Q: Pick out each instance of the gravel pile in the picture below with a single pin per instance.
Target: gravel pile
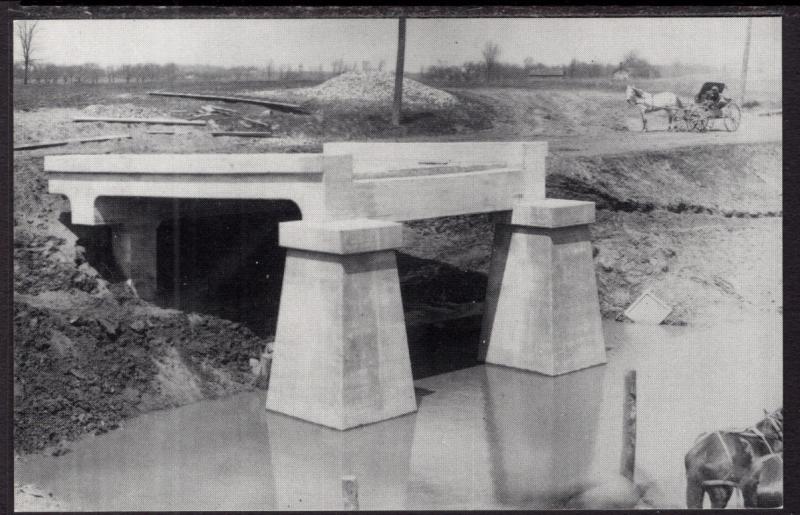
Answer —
(373, 88)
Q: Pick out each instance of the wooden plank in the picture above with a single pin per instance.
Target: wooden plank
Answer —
(628, 458)
(45, 144)
(161, 132)
(243, 134)
(350, 493)
(272, 104)
(193, 164)
(256, 122)
(154, 121)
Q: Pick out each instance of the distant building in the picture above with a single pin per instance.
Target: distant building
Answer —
(541, 74)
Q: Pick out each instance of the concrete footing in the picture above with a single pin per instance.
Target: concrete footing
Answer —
(134, 247)
(341, 355)
(542, 311)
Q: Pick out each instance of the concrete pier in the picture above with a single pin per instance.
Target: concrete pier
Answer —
(542, 311)
(134, 247)
(341, 354)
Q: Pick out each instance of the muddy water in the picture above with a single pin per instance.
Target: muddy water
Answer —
(484, 436)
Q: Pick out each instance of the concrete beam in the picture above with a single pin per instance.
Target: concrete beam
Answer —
(552, 213)
(546, 315)
(341, 237)
(376, 157)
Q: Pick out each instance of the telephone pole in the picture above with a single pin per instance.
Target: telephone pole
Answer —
(398, 72)
(745, 58)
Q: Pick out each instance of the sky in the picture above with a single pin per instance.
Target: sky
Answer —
(553, 41)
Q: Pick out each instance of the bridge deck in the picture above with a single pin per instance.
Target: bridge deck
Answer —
(389, 181)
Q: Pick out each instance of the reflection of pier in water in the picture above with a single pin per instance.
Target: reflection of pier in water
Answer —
(504, 438)
(542, 433)
(310, 460)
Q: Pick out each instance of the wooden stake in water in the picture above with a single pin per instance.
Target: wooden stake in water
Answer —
(350, 493)
(628, 461)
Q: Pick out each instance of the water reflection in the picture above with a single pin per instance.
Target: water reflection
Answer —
(541, 432)
(484, 437)
(309, 461)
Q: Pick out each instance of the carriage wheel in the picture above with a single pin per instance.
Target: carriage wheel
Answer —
(697, 121)
(732, 116)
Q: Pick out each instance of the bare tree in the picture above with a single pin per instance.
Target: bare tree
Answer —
(491, 51)
(25, 34)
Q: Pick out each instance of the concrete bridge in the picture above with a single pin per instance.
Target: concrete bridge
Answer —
(341, 355)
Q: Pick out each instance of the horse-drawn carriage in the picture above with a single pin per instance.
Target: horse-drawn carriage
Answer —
(700, 116)
(704, 114)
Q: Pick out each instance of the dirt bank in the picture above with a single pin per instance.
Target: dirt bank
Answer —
(731, 180)
(83, 363)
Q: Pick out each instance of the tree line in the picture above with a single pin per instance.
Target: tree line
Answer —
(92, 73)
(491, 68)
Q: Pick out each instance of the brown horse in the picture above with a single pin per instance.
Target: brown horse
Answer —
(763, 485)
(718, 462)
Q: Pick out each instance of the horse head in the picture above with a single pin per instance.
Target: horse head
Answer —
(630, 95)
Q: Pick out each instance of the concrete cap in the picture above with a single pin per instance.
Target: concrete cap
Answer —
(341, 236)
(552, 213)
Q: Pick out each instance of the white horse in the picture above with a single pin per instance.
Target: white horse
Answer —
(649, 102)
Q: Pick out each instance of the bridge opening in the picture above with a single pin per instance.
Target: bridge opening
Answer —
(228, 265)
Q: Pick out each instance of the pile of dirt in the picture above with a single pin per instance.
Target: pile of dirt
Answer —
(372, 88)
(83, 363)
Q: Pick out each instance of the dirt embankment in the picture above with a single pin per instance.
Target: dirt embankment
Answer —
(682, 225)
(89, 353)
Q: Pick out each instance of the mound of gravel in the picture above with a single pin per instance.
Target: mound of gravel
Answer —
(374, 88)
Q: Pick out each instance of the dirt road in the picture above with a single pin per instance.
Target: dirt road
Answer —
(753, 129)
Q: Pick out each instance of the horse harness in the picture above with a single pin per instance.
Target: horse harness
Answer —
(751, 432)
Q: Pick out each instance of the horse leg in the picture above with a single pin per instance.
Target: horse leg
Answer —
(670, 118)
(719, 495)
(750, 494)
(644, 122)
(694, 494)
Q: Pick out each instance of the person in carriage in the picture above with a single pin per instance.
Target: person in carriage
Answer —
(713, 100)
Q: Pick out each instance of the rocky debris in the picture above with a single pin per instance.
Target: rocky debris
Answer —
(372, 88)
(45, 262)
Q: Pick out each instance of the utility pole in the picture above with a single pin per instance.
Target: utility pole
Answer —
(745, 58)
(398, 72)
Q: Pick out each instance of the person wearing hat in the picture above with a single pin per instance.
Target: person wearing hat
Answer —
(712, 97)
